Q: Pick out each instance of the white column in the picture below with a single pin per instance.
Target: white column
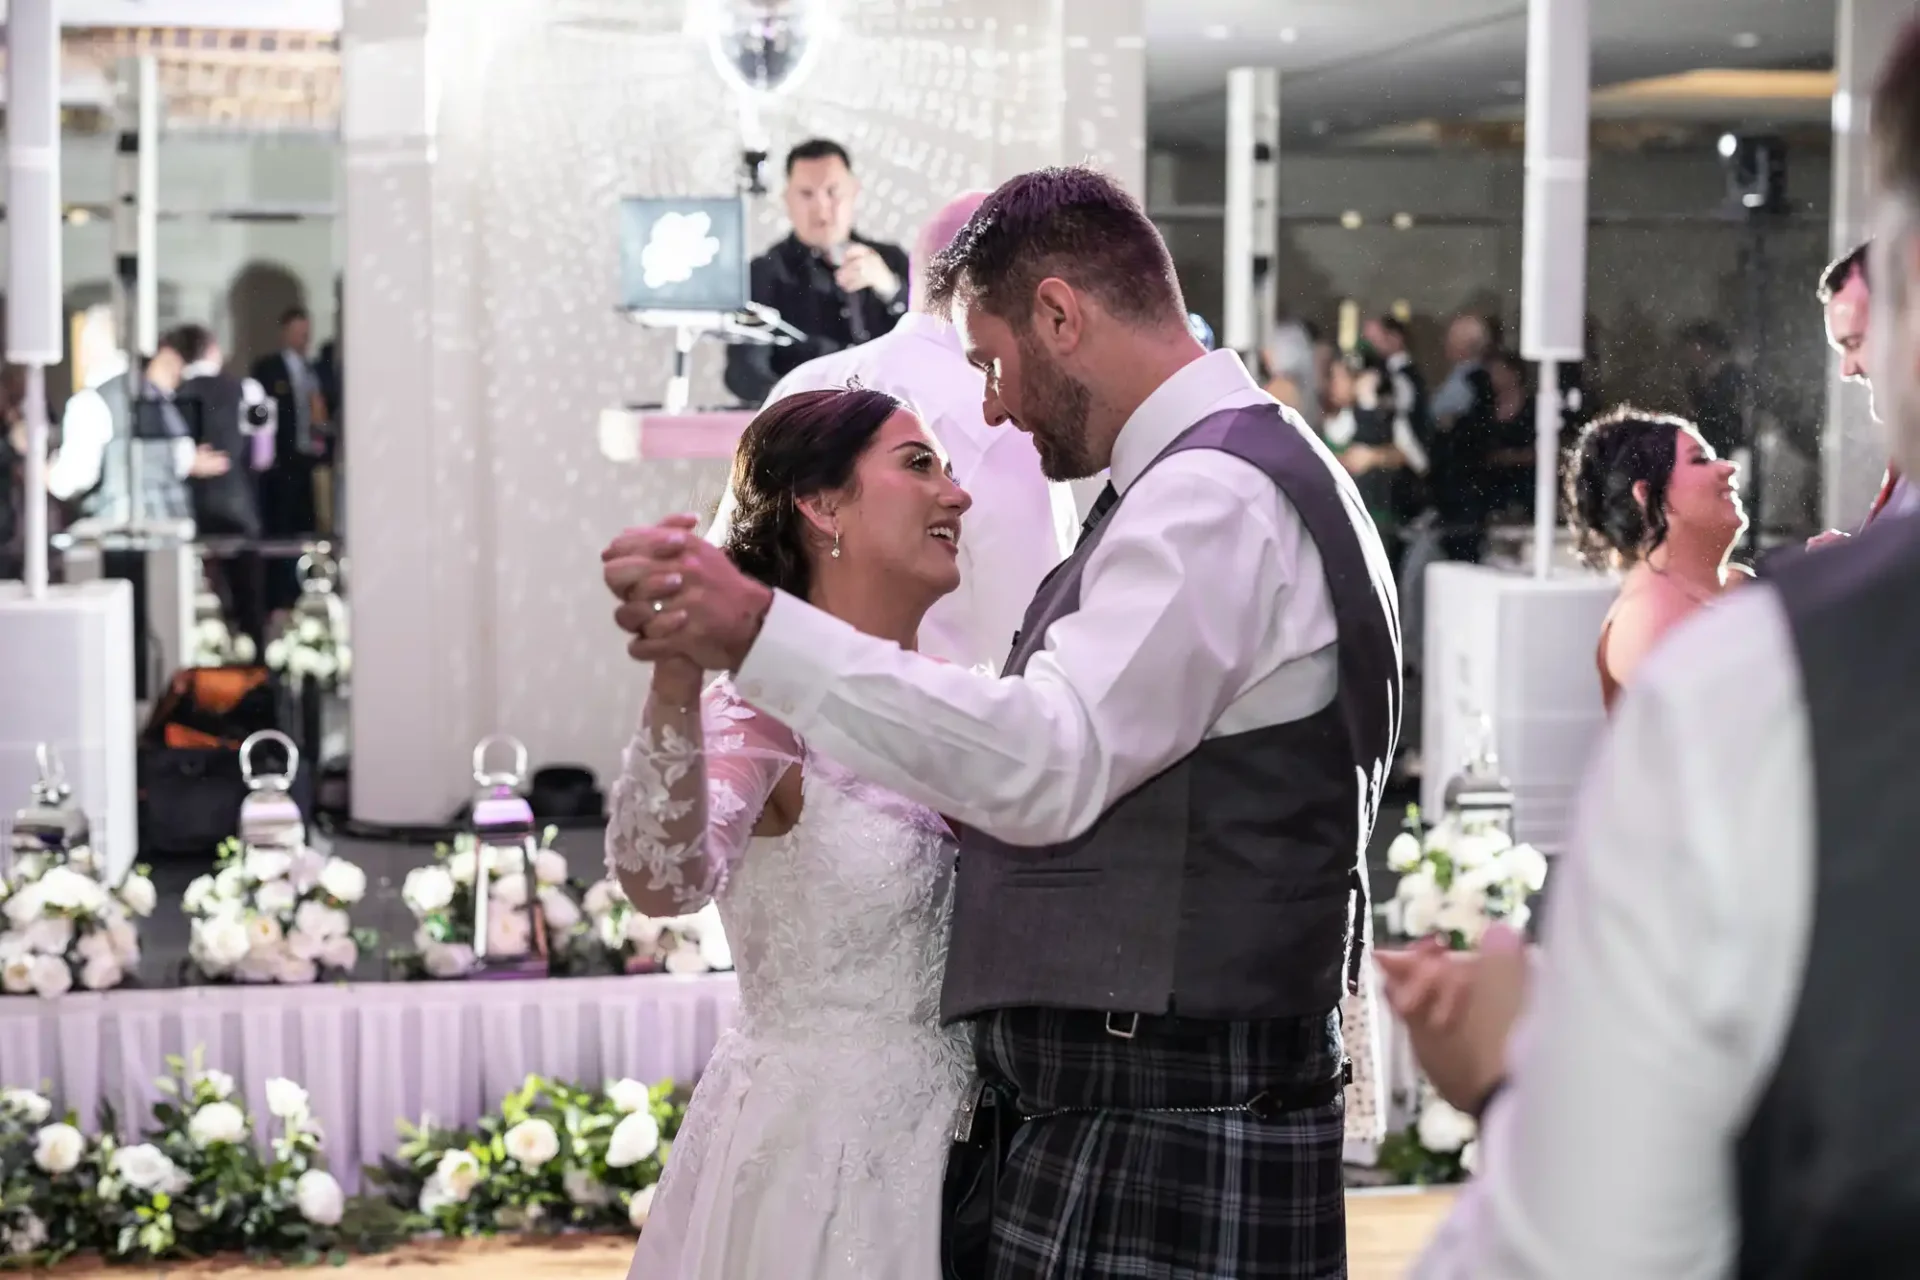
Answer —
(33, 245)
(422, 625)
(136, 201)
(1553, 286)
(1853, 453)
(1253, 208)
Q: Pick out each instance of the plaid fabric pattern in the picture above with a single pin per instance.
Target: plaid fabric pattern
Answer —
(1166, 1196)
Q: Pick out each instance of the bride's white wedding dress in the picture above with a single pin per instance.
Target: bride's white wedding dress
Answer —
(816, 1141)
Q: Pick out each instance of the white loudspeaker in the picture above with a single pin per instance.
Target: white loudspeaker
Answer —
(1253, 207)
(33, 183)
(1553, 281)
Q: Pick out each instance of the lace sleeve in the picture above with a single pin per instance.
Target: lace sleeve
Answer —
(690, 790)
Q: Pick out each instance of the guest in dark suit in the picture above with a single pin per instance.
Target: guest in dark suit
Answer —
(287, 505)
(214, 403)
(837, 287)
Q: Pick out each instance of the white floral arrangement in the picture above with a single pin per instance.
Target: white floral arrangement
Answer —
(214, 645)
(440, 895)
(311, 647)
(1460, 876)
(66, 929)
(636, 943)
(275, 915)
(554, 1156)
(193, 1184)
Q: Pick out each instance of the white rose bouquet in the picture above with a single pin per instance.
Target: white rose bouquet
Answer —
(312, 647)
(634, 943)
(215, 645)
(552, 1157)
(200, 1184)
(1457, 878)
(273, 915)
(440, 895)
(63, 928)
(45, 1181)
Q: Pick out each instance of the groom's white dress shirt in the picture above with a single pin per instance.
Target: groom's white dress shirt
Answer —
(1673, 951)
(1204, 612)
(1019, 526)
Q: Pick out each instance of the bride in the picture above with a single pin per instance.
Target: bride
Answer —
(1646, 494)
(815, 1144)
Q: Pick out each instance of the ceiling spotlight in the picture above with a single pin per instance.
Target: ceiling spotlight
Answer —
(1729, 145)
(1746, 40)
(1403, 222)
(1288, 35)
(1218, 31)
(1351, 220)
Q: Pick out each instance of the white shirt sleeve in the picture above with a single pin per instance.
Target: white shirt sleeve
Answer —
(1675, 941)
(1179, 605)
(86, 426)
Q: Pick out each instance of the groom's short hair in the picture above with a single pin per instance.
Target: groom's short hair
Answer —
(1073, 223)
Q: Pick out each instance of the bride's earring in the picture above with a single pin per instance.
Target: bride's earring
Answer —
(836, 544)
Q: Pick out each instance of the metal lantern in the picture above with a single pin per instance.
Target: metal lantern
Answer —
(53, 822)
(269, 817)
(504, 835)
(321, 606)
(1480, 795)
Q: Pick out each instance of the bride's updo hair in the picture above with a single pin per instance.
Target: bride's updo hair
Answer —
(806, 444)
(1614, 453)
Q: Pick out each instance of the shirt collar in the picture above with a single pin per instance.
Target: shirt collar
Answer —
(920, 324)
(1175, 405)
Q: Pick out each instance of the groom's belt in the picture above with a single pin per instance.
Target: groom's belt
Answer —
(1268, 1104)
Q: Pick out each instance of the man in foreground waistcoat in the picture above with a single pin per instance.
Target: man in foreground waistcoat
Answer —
(1160, 897)
(1715, 1074)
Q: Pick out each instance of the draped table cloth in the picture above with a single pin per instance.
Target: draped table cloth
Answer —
(373, 1054)
(369, 1055)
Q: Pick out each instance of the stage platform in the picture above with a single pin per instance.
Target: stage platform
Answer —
(1385, 1232)
(372, 1052)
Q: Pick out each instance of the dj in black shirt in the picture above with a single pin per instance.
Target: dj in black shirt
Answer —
(838, 288)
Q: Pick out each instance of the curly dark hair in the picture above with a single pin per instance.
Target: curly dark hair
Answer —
(1074, 223)
(793, 449)
(1615, 452)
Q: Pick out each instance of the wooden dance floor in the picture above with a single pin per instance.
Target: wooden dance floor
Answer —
(1386, 1230)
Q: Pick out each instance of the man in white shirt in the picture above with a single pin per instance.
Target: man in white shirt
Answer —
(1847, 304)
(1713, 1074)
(1019, 526)
(1166, 798)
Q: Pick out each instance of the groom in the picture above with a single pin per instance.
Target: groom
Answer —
(1159, 899)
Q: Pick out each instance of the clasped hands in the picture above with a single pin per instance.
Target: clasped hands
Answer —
(681, 599)
(1459, 1009)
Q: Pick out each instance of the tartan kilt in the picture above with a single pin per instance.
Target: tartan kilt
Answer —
(1165, 1196)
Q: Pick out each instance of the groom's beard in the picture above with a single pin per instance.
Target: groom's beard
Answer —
(1054, 410)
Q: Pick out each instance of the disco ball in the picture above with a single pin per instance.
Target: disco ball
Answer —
(762, 46)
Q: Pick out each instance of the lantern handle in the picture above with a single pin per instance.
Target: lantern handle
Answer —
(246, 759)
(508, 779)
(53, 770)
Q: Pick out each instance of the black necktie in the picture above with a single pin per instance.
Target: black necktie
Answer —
(1101, 505)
